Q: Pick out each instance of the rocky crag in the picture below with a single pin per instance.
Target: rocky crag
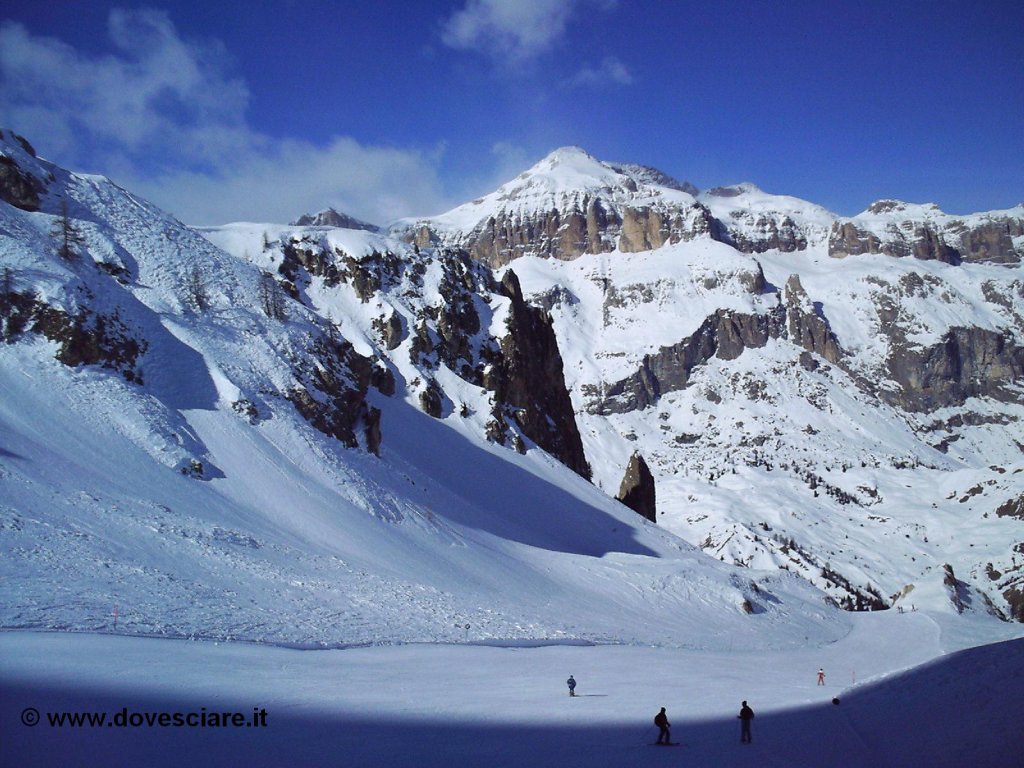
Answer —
(785, 373)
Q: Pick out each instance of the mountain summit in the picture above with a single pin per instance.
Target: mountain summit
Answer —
(567, 204)
(404, 437)
(570, 204)
(332, 218)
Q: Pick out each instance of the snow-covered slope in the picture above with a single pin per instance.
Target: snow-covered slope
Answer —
(189, 437)
(839, 397)
(321, 435)
(468, 705)
(567, 204)
(326, 437)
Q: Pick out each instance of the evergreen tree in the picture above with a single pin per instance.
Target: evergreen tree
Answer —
(68, 238)
(272, 297)
(196, 287)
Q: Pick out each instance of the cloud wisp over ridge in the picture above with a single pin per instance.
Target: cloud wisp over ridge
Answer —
(165, 116)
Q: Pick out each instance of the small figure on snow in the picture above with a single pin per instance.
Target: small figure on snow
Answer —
(746, 715)
(661, 720)
(821, 677)
(572, 685)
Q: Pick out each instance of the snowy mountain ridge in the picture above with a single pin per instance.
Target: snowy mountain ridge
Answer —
(264, 431)
(774, 335)
(302, 444)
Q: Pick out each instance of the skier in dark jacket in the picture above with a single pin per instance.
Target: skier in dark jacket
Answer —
(661, 720)
(746, 715)
(572, 685)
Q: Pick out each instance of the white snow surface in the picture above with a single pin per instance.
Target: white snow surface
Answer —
(906, 696)
(731, 477)
(425, 577)
(562, 180)
(289, 537)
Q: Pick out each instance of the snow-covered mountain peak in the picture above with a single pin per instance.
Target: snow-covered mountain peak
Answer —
(567, 155)
(329, 217)
(734, 190)
(902, 209)
(566, 171)
(576, 203)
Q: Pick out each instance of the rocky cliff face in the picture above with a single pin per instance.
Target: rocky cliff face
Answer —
(332, 381)
(591, 226)
(529, 379)
(19, 186)
(783, 403)
(637, 490)
(332, 218)
(900, 230)
(422, 340)
(807, 326)
(965, 363)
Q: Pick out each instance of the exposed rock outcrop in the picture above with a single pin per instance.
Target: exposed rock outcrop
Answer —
(764, 232)
(979, 238)
(956, 589)
(724, 334)
(330, 392)
(556, 234)
(967, 362)
(18, 187)
(1012, 508)
(591, 226)
(332, 218)
(637, 490)
(84, 337)
(529, 378)
(807, 325)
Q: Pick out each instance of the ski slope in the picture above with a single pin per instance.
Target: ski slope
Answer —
(507, 705)
(185, 538)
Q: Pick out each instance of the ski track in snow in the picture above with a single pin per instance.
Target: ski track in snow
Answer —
(462, 705)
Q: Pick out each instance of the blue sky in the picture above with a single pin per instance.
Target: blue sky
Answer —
(266, 110)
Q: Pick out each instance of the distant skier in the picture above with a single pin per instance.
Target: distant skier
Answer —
(572, 685)
(821, 677)
(746, 715)
(661, 720)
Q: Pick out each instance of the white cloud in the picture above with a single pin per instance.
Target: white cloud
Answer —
(511, 30)
(611, 71)
(166, 117)
(156, 91)
(289, 178)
